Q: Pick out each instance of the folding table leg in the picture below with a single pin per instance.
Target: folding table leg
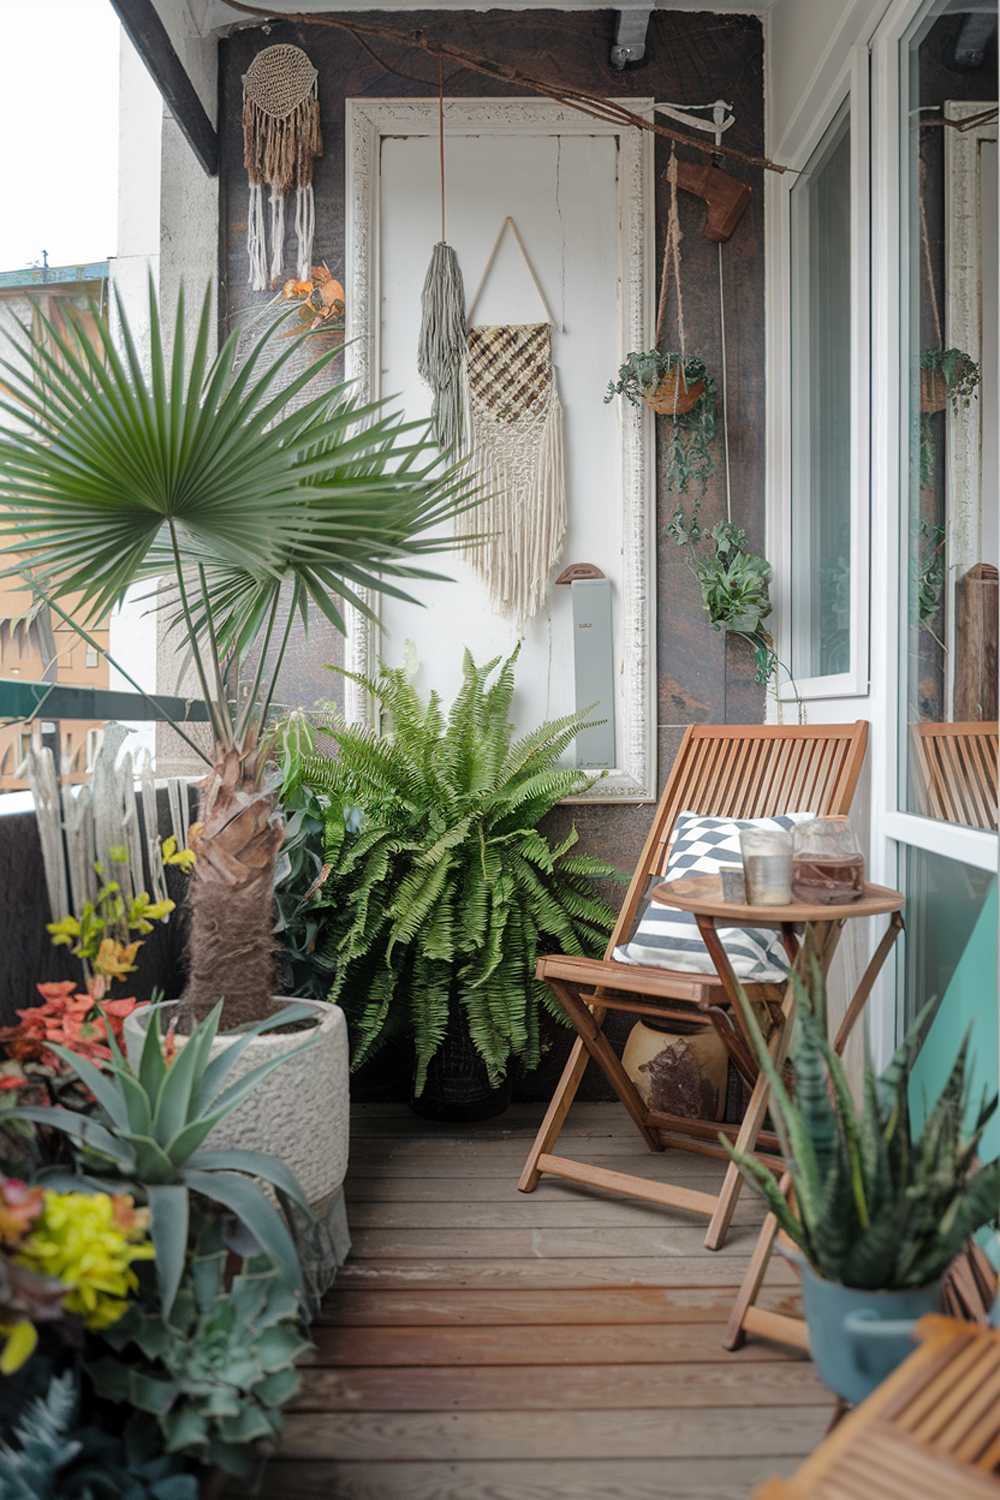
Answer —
(753, 1280)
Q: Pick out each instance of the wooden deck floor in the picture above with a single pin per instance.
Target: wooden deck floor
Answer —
(486, 1345)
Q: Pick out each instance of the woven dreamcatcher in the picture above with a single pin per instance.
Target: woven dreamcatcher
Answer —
(281, 140)
(516, 434)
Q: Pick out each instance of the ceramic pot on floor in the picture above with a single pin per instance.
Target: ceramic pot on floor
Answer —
(681, 1071)
(858, 1337)
(299, 1113)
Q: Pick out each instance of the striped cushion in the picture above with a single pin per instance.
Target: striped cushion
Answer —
(669, 939)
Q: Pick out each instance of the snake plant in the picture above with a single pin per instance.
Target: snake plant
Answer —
(147, 1134)
(443, 891)
(875, 1207)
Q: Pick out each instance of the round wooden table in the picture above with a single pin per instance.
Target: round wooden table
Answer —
(806, 929)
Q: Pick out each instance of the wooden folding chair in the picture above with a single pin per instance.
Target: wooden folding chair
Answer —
(930, 1431)
(957, 765)
(731, 771)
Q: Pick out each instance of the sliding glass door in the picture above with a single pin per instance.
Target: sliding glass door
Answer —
(935, 219)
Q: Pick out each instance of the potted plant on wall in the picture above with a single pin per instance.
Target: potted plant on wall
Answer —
(948, 377)
(441, 889)
(254, 498)
(879, 1214)
(735, 585)
(680, 389)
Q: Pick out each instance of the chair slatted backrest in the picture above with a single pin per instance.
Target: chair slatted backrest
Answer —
(957, 765)
(748, 771)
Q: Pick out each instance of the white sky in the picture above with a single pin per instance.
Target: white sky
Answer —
(58, 131)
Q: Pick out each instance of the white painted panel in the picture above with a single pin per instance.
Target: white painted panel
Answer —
(562, 191)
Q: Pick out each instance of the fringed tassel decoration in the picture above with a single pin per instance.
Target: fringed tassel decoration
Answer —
(305, 230)
(514, 537)
(281, 140)
(256, 239)
(441, 349)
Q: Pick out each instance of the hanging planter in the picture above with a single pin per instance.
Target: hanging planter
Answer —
(674, 385)
(680, 389)
(676, 395)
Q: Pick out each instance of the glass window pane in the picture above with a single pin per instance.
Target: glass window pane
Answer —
(821, 407)
(948, 667)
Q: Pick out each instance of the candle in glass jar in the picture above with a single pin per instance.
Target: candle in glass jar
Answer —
(767, 865)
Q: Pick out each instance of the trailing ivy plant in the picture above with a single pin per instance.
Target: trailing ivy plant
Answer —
(688, 456)
(961, 376)
(441, 889)
(877, 1206)
(734, 583)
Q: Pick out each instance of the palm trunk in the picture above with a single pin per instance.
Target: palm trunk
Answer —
(236, 842)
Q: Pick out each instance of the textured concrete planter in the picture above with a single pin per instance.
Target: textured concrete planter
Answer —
(300, 1113)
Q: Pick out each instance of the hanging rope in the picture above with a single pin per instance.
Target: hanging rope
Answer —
(672, 264)
(925, 246)
(725, 390)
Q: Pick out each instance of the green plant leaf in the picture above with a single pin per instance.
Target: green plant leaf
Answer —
(169, 1232)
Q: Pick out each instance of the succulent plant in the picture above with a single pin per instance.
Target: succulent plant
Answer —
(147, 1134)
(876, 1208)
(216, 1375)
(54, 1458)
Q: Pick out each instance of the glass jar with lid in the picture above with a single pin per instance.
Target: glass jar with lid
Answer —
(828, 867)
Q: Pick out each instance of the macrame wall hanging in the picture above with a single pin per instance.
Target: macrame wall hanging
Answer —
(281, 140)
(516, 437)
(441, 350)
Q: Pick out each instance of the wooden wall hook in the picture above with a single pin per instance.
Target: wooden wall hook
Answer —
(726, 196)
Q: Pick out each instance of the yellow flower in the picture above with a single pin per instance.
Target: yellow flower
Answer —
(19, 1340)
(64, 931)
(115, 959)
(89, 1242)
(185, 858)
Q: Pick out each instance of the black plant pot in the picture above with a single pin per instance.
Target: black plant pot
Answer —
(458, 1089)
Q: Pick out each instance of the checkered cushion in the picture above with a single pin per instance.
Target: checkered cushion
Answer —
(669, 939)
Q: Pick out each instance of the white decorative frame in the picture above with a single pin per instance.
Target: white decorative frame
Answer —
(367, 122)
(963, 330)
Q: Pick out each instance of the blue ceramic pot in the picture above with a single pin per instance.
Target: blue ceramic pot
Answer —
(858, 1337)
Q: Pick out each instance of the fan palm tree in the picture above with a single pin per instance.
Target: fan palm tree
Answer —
(206, 475)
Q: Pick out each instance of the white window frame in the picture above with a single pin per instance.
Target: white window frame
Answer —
(850, 85)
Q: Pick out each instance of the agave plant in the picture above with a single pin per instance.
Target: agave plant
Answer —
(250, 510)
(148, 1130)
(442, 891)
(874, 1207)
(216, 1377)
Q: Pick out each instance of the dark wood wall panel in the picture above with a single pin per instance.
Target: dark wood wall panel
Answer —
(691, 57)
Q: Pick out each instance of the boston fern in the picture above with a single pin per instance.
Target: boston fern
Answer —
(875, 1207)
(445, 892)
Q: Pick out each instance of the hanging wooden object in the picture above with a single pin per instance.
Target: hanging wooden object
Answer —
(516, 432)
(281, 140)
(726, 197)
(977, 594)
(441, 347)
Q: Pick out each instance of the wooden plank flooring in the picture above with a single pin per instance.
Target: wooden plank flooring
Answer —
(486, 1345)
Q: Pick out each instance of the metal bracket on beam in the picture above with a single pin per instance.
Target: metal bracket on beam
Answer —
(630, 36)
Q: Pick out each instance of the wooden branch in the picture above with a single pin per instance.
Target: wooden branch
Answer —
(586, 103)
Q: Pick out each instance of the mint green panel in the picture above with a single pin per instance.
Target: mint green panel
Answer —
(970, 999)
